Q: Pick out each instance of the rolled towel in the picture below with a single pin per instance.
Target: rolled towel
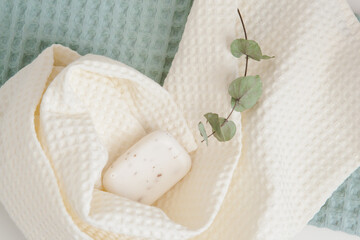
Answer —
(65, 119)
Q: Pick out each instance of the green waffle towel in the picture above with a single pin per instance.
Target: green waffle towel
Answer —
(143, 34)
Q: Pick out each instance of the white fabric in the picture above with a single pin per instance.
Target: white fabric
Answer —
(299, 142)
(55, 147)
(302, 139)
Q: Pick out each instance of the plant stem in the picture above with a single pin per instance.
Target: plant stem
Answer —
(232, 110)
(245, 73)
(243, 25)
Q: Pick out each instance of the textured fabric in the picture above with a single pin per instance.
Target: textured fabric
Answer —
(143, 34)
(27, 27)
(92, 110)
(302, 140)
(342, 210)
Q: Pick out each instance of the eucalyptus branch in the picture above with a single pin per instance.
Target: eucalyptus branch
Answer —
(244, 91)
(232, 110)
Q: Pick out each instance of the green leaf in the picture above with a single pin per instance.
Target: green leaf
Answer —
(238, 107)
(223, 131)
(245, 92)
(227, 131)
(203, 132)
(235, 48)
(267, 57)
(247, 47)
(213, 119)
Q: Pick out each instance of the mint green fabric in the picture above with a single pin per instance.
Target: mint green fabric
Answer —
(342, 210)
(141, 33)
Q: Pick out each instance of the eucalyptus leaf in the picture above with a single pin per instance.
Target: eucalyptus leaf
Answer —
(238, 107)
(245, 92)
(267, 57)
(247, 47)
(235, 48)
(203, 132)
(213, 119)
(227, 130)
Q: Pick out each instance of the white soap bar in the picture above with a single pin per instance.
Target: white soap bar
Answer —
(148, 169)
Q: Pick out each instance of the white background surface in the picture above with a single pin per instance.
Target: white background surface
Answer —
(355, 4)
(9, 231)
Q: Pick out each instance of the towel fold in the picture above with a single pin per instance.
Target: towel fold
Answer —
(65, 119)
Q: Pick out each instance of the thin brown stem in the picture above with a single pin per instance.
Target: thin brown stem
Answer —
(209, 135)
(232, 110)
(245, 33)
(245, 73)
(243, 24)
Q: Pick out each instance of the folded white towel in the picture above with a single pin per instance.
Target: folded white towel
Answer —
(302, 140)
(64, 118)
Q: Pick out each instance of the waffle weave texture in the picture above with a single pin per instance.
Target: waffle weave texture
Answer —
(24, 41)
(143, 34)
(342, 210)
(66, 118)
(301, 140)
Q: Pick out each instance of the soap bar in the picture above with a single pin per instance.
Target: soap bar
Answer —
(148, 169)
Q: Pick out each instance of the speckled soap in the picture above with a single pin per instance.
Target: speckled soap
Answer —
(148, 169)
